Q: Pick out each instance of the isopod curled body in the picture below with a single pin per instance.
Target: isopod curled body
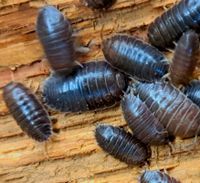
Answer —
(185, 58)
(121, 145)
(99, 4)
(192, 91)
(95, 86)
(28, 112)
(178, 114)
(135, 58)
(142, 122)
(172, 23)
(156, 176)
(55, 35)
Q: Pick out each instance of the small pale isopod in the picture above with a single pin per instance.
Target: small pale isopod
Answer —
(28, 112)
(135, 58)
(156, 177)
(122, 145)
(185, 58)
(94, 86)
(178, 114)
(142, 121)
(172, 23)
(55, 35)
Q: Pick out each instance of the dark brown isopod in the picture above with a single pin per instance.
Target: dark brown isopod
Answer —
(185, 58)
(135, 58)
(95, 86)
(178, 114)
(192, 91)
(27, 111)
(122, 145)
(55, 35)
(99, 4)
(142, 122)
(172, 23)
(156, 177)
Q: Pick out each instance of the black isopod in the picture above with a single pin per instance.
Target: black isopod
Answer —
(55, 35)
(156, 177)
(98, 4)
(28, 112)
(192, 91)
(178, 114)
(172, 23)
(142, 122)
(121, 145)
(185, 58)
(94, 86)
(135, 57)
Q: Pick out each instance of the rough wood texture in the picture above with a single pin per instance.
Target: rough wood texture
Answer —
(72, 155)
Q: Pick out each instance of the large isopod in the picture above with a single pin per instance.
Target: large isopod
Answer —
(185, 58)
(28, 112)
(172, 23)
(55, 35)
(94, 86)
(121, 145)
(142, 122)
(178, 114)
(156, 177)
(192, 91)
(135, 57)
(98, 4)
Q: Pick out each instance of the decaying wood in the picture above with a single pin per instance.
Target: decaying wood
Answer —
(72, 155)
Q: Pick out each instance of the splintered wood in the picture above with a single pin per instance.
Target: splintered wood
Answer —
(72, 155)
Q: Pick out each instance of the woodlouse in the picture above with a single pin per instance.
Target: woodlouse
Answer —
(142, 122)
(95, 86)
(185, 58)
(122, 145)
(135, 58)
(192, 91)
(55, 35)
(156, 176)
(178, 114)
(28, 112)
(172, 23)
(99, 4)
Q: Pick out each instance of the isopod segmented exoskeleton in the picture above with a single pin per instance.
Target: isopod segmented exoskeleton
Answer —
(28, 112)
(171, 24)
(192, 91)
(185, 58)
(178, 114)
(142, 122)
(94, 86)
(135, 58)
(122, 145)
(55, 35)
(156, 177)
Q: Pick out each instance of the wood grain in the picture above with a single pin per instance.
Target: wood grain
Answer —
(72, 155)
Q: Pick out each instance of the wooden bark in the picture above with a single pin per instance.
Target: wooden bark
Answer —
(72, 155)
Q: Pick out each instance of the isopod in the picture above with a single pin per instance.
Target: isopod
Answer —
(192, 91)
(55, 35)
(95, 86)
(28, 112)
(185, 58)
(99, 4)
(121, 145)
(142, 122)
(135, 57)
(156, 176)
(178, 114)
(172, 23)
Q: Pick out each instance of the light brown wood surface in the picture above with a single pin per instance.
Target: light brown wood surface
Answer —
(72, 155)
